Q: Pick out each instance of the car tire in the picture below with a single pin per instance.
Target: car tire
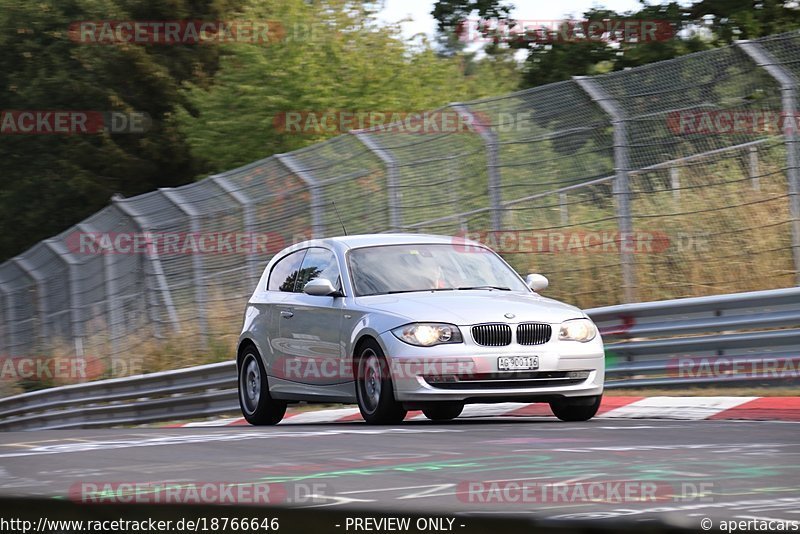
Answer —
(258, 407)
(374, 388)
(443, 411)
(577, 408)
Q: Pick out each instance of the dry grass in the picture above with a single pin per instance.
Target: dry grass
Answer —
(724, 236)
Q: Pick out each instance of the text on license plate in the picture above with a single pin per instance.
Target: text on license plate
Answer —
(516, 363)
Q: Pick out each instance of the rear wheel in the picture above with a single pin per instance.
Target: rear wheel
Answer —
(443, 411)
(374, 388)
(258, 407)
(576, 408)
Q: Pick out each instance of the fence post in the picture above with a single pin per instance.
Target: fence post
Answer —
(563, 207)
(248, 220)
(113, 313)
(158, 270)
(675, 182)
(489, 137)
(9, 321)
(392, 190)
(755, 178)
(766, 61)
(197, 262)
(42, 309)
(317, 224)
(622, 168)
(75, 305)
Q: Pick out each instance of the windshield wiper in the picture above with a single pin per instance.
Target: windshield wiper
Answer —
(500, 288)
(420, 290)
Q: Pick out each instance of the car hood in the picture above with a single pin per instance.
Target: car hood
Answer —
(472, 307)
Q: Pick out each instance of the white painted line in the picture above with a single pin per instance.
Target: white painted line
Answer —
(321, 416)
(217, 422)
(688, 408)
(488, 410)
(676, 408)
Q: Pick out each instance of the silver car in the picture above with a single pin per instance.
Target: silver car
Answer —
(398, 322)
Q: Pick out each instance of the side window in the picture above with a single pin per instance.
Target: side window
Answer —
(318, 263)
(284, 274)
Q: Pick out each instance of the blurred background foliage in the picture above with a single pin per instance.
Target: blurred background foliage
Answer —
(215, 107)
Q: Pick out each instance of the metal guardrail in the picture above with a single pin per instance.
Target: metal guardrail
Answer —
(170, 395)
(743, 338)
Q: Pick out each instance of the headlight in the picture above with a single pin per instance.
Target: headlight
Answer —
(428, 334)
(582, 330)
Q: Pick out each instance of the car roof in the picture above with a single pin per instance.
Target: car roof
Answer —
(368, 240)
(371, 240)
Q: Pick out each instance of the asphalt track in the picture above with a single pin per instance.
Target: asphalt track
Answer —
(718, 469)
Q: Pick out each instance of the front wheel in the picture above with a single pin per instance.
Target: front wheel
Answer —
(576, 408)
(374, 388)
(258, 407)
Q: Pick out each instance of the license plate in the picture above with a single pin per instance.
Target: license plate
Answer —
(517, 363)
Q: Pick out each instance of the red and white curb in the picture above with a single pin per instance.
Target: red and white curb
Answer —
(678, 408)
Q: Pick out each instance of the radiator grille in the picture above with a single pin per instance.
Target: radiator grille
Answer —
(492, 335)
(533, 333)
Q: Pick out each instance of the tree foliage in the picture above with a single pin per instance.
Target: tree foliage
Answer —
(52, 181)
(333, 60)
(698, 26)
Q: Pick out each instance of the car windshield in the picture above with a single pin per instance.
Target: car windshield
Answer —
(390, 269)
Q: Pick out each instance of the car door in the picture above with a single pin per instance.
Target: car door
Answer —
(280, 287)
(310, 326)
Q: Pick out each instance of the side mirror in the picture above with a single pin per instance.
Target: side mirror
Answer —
(321, 287)
(537, 282)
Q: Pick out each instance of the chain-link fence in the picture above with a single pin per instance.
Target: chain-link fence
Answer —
(675, 179)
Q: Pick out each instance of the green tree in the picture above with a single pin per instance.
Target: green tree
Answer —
(334, 57)
(729, 20)
(49, 182)
(698, 26)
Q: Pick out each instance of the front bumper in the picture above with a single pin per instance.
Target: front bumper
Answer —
(468, 372)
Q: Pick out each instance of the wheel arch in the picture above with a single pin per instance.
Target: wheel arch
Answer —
(243, 345)
(362, 338)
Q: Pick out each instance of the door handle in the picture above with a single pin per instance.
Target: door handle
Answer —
(287, 314)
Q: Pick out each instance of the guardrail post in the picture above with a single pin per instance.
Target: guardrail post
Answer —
(189, 210)
(158, 270)
(248, 220)
(75, 306)
(788, 85)
(395, 217)
(489, 137)
(622, 168)
(317, 224)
